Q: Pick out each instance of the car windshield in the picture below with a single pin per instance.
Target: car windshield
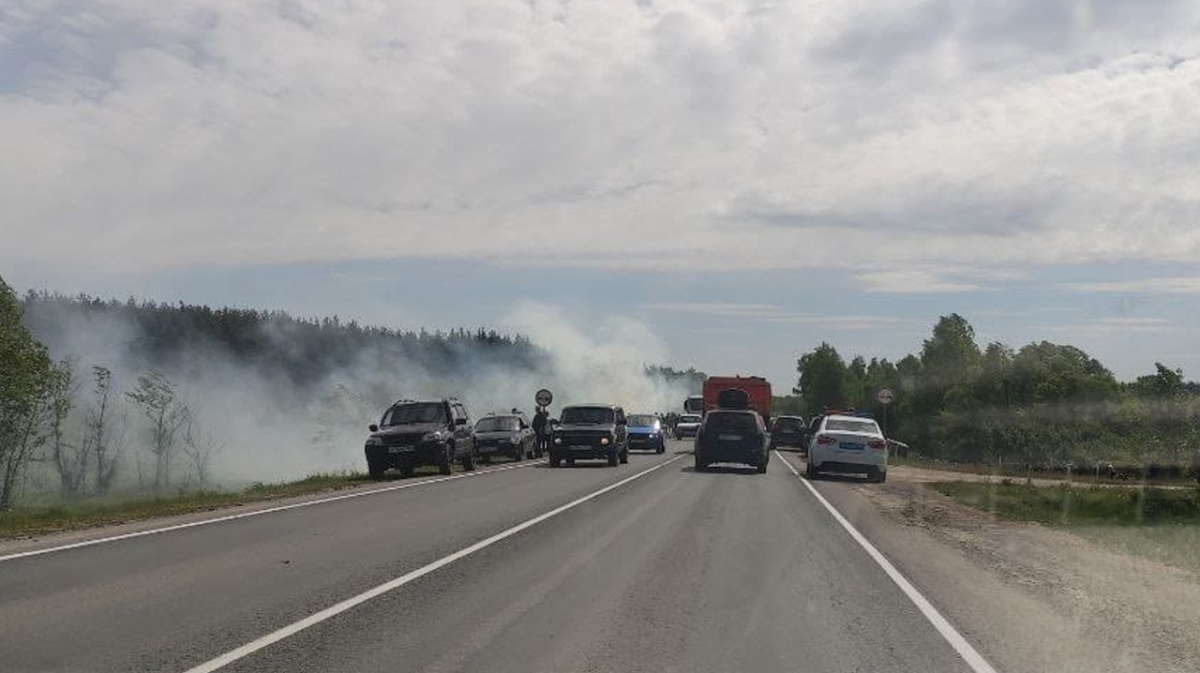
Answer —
(848, 425)
(498, 424)
(788, 425)
(687, 418)
(413, 414)
(643, 421)
(587, 416)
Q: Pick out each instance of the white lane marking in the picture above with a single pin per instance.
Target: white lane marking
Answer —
(258, 512)
(334, 610)
(943, 626)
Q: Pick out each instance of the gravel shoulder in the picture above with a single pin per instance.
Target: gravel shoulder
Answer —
(1034, 598)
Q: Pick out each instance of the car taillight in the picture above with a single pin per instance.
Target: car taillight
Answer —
(825, 439)
(877, 444)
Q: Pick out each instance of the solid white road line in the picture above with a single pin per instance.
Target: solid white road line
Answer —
(943, 626)
(334, 610)
(259, 512)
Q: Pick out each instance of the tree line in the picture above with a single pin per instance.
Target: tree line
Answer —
(88, 429)
(1044, 404)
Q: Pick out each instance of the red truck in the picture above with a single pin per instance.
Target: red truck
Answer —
(755, 394)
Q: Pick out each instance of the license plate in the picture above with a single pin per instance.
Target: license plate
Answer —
(399, 449)
(729, 438)
(853, 446)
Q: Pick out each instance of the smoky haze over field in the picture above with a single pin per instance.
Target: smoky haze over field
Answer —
(298, 398)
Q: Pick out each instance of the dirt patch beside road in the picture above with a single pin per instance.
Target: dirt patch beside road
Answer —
(1034, 598)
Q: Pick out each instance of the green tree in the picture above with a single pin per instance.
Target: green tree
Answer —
(157, 398)
(25, 371)
(822, 379)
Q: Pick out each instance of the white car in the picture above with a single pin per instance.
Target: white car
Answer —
(687, 425)
(848, 444)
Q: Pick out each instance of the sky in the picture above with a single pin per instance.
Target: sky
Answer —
(746, 178)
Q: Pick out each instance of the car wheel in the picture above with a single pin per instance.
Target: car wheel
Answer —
(762, 467)
(700, 464)
(376, 469)
(555, 461)
(612, 458)
(811, 471)
(570, 462)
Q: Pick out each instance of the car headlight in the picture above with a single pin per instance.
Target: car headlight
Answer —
(603, 441)
(558, 440)
(374, 441)
(435, 436)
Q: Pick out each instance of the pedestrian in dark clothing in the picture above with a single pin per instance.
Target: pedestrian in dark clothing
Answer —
(541, 427)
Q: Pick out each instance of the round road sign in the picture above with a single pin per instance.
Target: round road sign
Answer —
(543, 398)
(885, 396)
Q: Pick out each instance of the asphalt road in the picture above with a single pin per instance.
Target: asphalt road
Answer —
(672, 570)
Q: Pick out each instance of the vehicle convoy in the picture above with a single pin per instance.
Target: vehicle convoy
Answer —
(414, 433)
(732, 436)
(646, 433)
(590, 431)
(789, 431)
(844, 443)
(505, 435)
(756, 394)
(687, 425)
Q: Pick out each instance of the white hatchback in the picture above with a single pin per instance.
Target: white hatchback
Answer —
(848, 444)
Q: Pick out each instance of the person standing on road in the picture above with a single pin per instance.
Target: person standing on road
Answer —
(541, 428)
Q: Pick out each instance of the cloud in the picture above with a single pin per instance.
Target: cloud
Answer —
(936, 135)
(770, 313)
(1176, 285)
(1118, 326)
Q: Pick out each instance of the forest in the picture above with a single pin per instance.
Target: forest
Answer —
(1044, 405)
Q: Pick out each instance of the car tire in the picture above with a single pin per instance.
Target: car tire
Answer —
(881, 477)
(570, 462)
(700, 464)
(555, 461)
(376, 469)
(812, 471)
(612, 458)
(762, 467)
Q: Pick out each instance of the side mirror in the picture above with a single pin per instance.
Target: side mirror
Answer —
(373, 428)
(460, 421)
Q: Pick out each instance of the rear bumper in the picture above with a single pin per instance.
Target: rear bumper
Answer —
(836, 460)
(732, 453)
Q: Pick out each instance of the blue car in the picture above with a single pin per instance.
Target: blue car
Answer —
(646, 433)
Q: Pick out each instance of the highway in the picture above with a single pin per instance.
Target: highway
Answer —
(646, 567)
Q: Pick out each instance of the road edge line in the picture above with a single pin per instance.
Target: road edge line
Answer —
(258, 512)
(964, 649)
(253, 646)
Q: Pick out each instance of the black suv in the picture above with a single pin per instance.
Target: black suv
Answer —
(732, 436)
(789, 431)
(590, 431)
(413, 433)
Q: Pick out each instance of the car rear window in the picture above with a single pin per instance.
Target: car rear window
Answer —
(846, 425)
(743, 423)
(788, 425)
(497, 424)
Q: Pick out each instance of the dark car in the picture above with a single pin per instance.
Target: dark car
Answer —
(505, 435)
(646, 433)
(789, 431)
(732, 436)
(590, 431)
(414, 433)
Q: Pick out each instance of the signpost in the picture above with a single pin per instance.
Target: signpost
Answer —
(543, 398)
(885, 397)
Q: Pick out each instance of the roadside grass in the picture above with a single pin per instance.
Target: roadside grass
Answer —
(1018, 472)
(1154, 523)
(40, 518)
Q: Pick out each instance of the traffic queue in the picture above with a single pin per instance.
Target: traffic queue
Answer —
(730, 423)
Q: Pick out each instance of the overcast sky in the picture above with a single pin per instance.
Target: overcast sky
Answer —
(746, 177)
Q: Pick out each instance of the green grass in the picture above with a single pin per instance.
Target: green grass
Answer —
(1159, 524)
(35, 519)
(1017, 472)
(1078, 505)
